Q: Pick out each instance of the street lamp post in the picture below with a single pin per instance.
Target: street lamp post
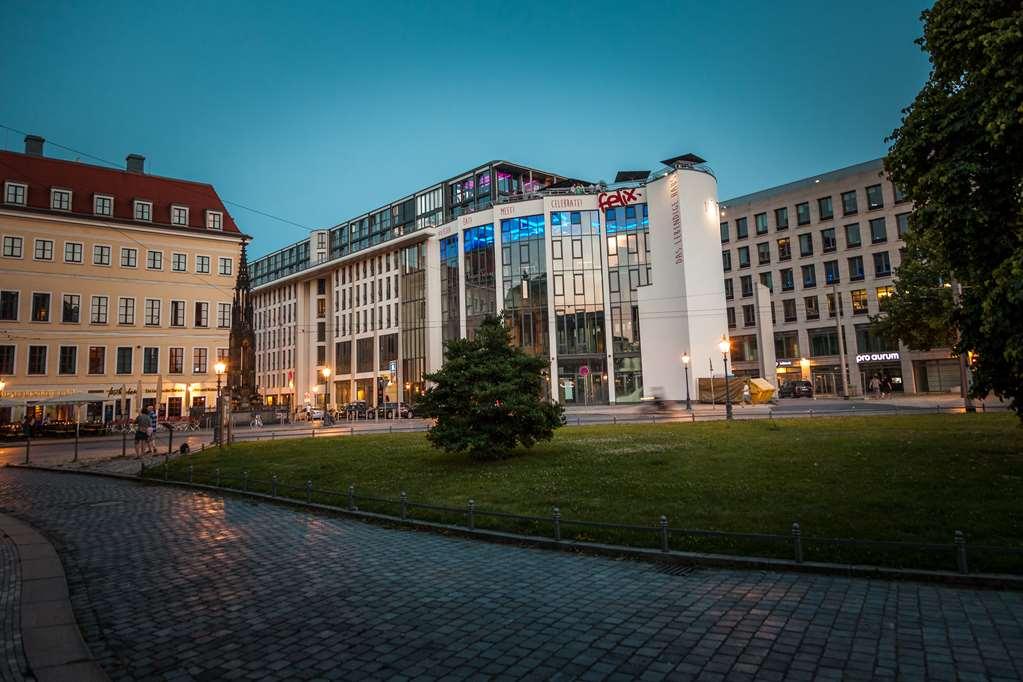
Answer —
(220, 368)
(726, 346)
(685, 365)
(326, 388)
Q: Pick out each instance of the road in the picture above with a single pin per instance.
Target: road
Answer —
(180, 585)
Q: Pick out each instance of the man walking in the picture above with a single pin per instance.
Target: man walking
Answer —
(142, 423)
(151, 442)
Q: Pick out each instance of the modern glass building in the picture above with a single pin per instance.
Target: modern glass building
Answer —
(599, 279)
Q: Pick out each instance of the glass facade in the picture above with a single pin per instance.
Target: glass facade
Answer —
(480, 276)
(628, 267)
(449, 301)
(524, 282)
(412, 294)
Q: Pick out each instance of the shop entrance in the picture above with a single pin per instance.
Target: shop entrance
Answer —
(891, 370)
(582, 381)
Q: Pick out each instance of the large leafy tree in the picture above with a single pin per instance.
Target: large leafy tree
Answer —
(959, 156)
(487, 397)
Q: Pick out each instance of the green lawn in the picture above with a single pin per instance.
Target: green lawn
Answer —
(916, 478)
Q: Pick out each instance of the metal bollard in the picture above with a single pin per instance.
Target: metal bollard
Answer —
(556, 520)
(693, 415)
(28, 447)
(960, 542)
(404, 506)
(142, 467)
(190, 473)
(811, 412)
(664, 533)
(124, 443)
(273, 435)
(170, 440)
(245, 481)
(273, 485)
(218, 477)
(165, 469)
(351, 498)
(351, 431)
(578, 421)
(472, 514)
(314, 433)
(797, 542)
(614, 419)
(309, 491)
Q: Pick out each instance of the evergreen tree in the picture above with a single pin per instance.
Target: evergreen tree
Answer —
(487, 397)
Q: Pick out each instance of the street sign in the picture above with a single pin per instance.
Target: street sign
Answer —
(392, 366)
(584, 371)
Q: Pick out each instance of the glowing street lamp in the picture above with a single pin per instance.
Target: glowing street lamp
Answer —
(219, 369)
(725, 346)
(685, 365)
(326, 388)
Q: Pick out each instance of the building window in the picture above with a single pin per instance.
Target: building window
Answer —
(813, 311)
(124, 358)
(767, 280)
(803, 213)
(809, 276)
(60, 199)
(152, 312)
(724, 236)
(856, 268)
(787, 281)
(874, 197)
(882, 264)
(144, 211)
(15, 193)
(202, 314)
(746, 285)
(126, 311)
(760, 220)
(97, 359)
(763, 253)
(175, 360)
(859, 301)
(902, 225)
(781, 218)
(37, 359)
(179, 262)
(150, 360)
(40, 307)
(749, 316)
(883, 294)
(179, 215)
(72, 309)
(44, 249)
(849, 206)
(7, 360)
(831, 274)
(806, 245)
(98, 310)
(202, 265)
(824, 209)
(731, 317)
(784, 249)
(823, 342)
(177, 313)
(72, 252)
(224, 266)
(829, 242)
(129, 258)
(103, 205)
(214, 220)
(13, 247)
(224, 315)
(741, 228)
(789, 310)
(900, 196)
(9, 306)
(67, 360)
(726, 260)
(154, 260)
(743, 256)
(729, 290)
(852, 236)
(100, 255)
(878, 231)
(200, 360)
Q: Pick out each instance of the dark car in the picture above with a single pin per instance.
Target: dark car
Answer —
(388, 410)
(359, 409)
(796, 389)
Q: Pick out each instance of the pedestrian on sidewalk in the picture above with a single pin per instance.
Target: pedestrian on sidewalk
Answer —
(875, 386)
(151, 431)
(142, 423)
(746, 398)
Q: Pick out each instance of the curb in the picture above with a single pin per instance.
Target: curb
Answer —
(52, 642)
(994, 581)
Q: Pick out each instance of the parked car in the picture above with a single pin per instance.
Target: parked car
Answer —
(314, 413)
(796, 389)
(388, 410)
(358, 409)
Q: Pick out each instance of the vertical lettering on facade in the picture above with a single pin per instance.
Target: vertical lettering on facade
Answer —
(676, 217)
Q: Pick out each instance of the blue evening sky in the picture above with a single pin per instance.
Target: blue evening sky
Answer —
(317, 112)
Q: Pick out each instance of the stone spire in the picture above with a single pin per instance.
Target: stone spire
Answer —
(241, 368)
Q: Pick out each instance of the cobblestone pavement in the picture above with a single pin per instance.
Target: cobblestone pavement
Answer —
(12, 656)
(173, 584)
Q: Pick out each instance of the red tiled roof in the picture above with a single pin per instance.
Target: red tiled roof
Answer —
(42, 174)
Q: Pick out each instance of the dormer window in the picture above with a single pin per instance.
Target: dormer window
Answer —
(15, 193)
(103, 205)
(60, 199)
(179, 215)
(214, 220)
(144, 210)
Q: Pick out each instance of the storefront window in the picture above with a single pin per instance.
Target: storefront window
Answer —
(449, 302)
(524, 282)
(480, 276)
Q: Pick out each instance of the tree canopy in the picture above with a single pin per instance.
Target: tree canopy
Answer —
(959, 156)
(488, 396)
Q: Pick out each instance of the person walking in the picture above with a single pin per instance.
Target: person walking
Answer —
(875, 386)
(746, 397)
(142, 423)
(151, 431)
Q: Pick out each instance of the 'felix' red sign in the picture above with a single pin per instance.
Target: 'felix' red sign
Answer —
(619, 197)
